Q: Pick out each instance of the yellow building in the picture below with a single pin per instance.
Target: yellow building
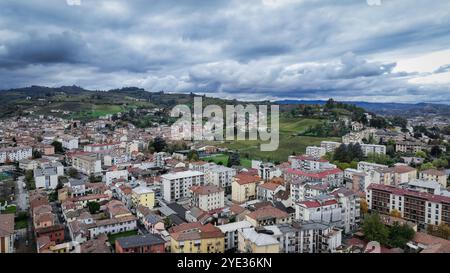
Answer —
(197, 238)
(243, 188)
(143, 196)
(434, 175)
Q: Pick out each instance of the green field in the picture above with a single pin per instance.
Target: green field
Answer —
(290, 142)
(247, 163)
(21, 224)
(113, 237)
(10, 209)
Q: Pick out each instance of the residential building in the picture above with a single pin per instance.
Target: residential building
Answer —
(207, 197)
(231, 231)
(420, 207)
(316, 151)
(196, 238)
(116, 174)
(243, 188)
(267, 216)
(434, 175)
(266, 191)
(178, 185)
(373, 149)
(252, 240)
(330, 146)
(7, 234)
(15, 154)
(268, 171)
(332, 177)
(310, 237)
(148, 243)
(45, 178)
(408, 147)
(87, 164)
(309, 163)
(369, 166)
(143, 196)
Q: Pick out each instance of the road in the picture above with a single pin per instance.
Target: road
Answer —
(25, 242)
(21, 195)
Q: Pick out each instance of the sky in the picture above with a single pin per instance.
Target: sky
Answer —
(365, 50)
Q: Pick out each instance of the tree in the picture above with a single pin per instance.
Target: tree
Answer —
(374, 229)
(427, 166)
(58, 146)
(421, 154)
(29, 180)
(234, 159)
(396, 213)
(167, 223)
(399, 235)
(440, 163)
(93, 207)
(72, 172)
(193, 155)
(158, 144)
(363, 206)
(436, 151)
(442, 231)
(37, 154)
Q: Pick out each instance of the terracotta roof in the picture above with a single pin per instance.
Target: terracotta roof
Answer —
(236, 209)
(317, 175)
(267, 212)
(317, 203)
(205, 190)
(433, 244)
(403, 169)
(6, 224)
(434, 172)
(269, 186)
(244, 178)
(195, 231)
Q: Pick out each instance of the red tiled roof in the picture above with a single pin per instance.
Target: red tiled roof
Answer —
(317, 204)
(207, 189)
(244, 178)
(269, 186)
(317, 175)
(267, 211)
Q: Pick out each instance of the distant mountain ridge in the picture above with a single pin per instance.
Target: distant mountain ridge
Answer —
(387, 108)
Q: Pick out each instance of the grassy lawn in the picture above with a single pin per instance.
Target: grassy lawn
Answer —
(4, 176)
(290, 142)
(247, 163)
(113, 237)
(21, 224)
(10, 209)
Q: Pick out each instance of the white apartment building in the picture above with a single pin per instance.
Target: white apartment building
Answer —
(231, 233)
(207, 197)
(422, 208)
(310, 237)
(175, 186)
(316, 151)
(87, 164)
(14, 154)
(69, 142)
(309, 163)
(330, 146)
(368, 166)
(220, 176)
(117, 174)
(373, 149)
(267, 171)
(46, 178)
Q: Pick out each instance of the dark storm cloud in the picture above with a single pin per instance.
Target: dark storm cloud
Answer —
(273, 48)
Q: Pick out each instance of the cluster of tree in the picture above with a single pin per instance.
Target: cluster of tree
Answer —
(395, 236)
(29, 180)
(327, 129)
(347, 153)
(400, 122)
(433, 133)
(72, 172)
(442, 231)
(58, 146)
(93, 207)
(158, 144)
(380, 159)
(234, 159)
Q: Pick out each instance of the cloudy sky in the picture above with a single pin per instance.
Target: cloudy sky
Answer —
(371, 50)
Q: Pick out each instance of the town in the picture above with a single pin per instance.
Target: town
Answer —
(107, 186)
